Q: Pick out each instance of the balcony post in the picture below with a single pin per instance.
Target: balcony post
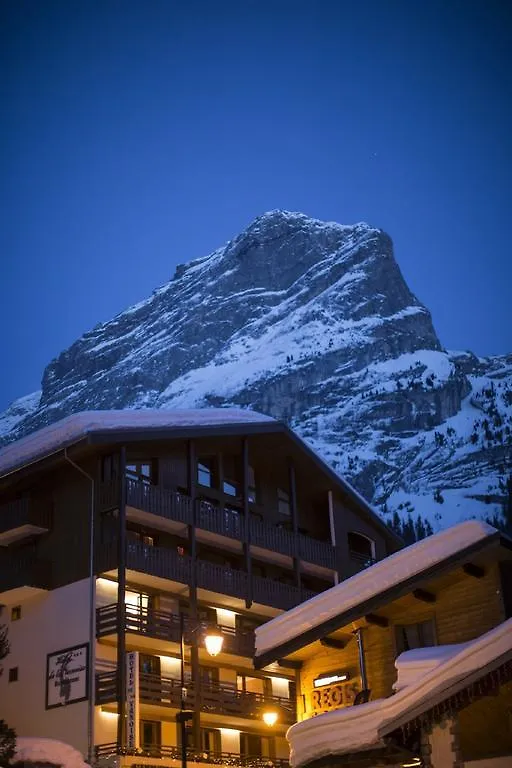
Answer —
(121, 613)
(295, 522)
(247, 531)
(192, 540)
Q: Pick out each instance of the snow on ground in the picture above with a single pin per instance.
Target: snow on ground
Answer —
(372, 581)
(47, 751)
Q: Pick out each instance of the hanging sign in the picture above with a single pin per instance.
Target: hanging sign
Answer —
(132, 700)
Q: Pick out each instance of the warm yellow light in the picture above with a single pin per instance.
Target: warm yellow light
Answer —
(213, 641)
(270, 717)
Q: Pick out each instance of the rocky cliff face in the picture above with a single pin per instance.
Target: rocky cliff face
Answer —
(311, 322)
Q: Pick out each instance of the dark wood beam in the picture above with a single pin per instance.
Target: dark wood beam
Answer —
(246, 543)
(473, 570)
(121, 610)
(378, 621)
(289, 664)
(333, 642)
(424, 595)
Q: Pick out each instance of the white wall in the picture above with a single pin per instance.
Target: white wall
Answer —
(51, 622)
(229, 740)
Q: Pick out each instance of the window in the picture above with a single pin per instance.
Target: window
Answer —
(109, 468)
(361, 548)
(207, 471)
(252, 492)
(150, 734)
(231, 485)
(252, 745)
(16, 613)
(208, 676)
(283, 502)
(13, 674)
(149, 665)
(210, 740)
(409, 636)
(142, 471)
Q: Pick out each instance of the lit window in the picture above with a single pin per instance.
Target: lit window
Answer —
(16, 613)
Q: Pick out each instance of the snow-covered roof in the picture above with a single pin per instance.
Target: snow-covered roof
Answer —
(355, 729)
(32, 749)
(73, 428)
(379, 578)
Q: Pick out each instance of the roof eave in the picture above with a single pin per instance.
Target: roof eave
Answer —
(372, 604)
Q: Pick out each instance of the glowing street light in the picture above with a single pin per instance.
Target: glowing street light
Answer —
(213, 641)
(270, 717)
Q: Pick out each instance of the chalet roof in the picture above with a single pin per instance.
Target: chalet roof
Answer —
(78, 426)
(368, 590)
(153, 424)
(352, 730)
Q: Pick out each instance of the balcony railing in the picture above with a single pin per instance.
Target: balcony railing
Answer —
(21, 512)
(224, 521)
(168, 564)
(166, 626)
(23, 571)
(215, 698)
(161, 751)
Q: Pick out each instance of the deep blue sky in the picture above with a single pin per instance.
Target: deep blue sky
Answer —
(139, 135)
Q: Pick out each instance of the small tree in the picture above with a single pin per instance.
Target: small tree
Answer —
(7, 735)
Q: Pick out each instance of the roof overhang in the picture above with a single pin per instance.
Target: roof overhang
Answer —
(337, 622)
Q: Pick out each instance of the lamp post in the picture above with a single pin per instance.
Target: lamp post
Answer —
(213, 640)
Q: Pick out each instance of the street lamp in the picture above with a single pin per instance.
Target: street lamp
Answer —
(213, 640)
(270, 717)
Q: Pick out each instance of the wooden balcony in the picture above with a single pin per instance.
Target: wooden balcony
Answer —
(215, 698)
(166, 752)
(223, 521)
(169, 564)
(161, 625)
(22, 518)
(22, 575)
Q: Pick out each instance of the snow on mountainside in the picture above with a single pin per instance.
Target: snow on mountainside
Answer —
(313, 323)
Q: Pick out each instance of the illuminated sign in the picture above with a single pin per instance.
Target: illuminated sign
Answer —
(334, 696)
(329, 678)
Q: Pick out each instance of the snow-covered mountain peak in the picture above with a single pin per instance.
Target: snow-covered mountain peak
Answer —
(310, 322)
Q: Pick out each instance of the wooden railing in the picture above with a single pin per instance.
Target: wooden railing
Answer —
(161, 751)
(216, 698)
(168, 564)
(159, 561)
(166, 626)
(223, 521)
(25, 511)
(23, 571)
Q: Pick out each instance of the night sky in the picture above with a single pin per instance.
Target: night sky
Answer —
(139, 135)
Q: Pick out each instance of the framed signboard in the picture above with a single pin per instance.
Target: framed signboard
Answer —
(67, 676)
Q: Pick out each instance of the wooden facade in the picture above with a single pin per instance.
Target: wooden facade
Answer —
(242, 523)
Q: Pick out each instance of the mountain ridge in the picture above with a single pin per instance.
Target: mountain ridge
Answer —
(311, 322)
